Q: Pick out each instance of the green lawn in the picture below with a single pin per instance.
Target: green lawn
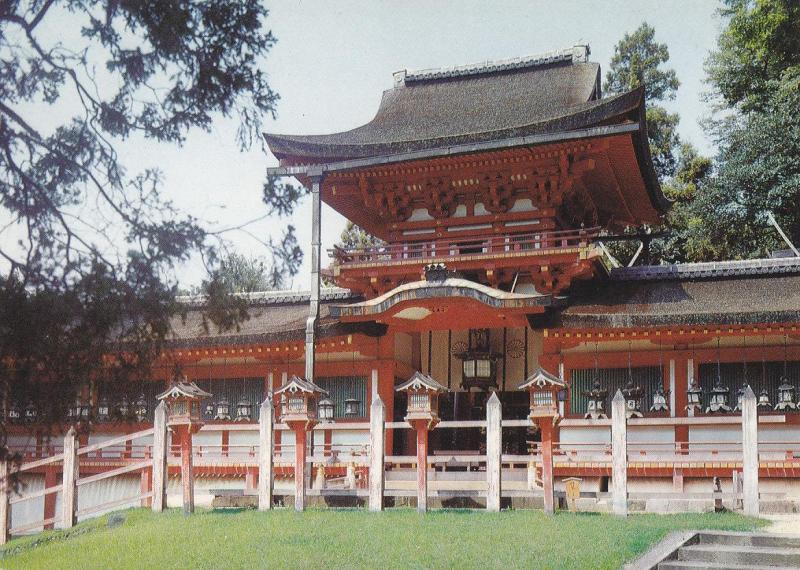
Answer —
(350, 538)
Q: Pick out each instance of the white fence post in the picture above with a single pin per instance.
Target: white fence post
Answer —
(619, 455)
(5, 508)
(265, 450)
(494, 436)
(377, 430)
(159, 458)
(69, 490)
(750, 453)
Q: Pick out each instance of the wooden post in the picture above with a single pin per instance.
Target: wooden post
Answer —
(750, 453)
(70, 477)
(265, 451)
(422, 466)
(160, 458)
(187, 470)
(377, 427)
(5, 508)
(494, 437)
(619, 455)
(300, 468)
(548, 483)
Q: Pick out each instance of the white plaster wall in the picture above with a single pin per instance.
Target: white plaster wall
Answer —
(599, 434)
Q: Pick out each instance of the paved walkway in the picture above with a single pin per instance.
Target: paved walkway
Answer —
(784, 524)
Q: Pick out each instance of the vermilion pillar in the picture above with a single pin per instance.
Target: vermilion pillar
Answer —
(187, 468)
(299, 467)
(547, 430)
(421, 427)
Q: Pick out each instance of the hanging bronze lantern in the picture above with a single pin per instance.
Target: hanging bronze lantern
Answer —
(103, 410)
(740, 397)
(596, 406)
(763, 400)
(660, 401)
(785, 396)
(694, 397)
(633, 397)
(325, 410)
(719, 398)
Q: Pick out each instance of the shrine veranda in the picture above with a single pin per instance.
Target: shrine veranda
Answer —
(495, 189)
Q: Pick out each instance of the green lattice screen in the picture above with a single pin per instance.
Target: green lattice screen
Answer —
(341, 388)
(733, 374)
(613, 379)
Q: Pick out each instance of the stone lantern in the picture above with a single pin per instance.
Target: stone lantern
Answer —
(183, 400)
(596, 406)
(719, 398)
(633, 398)
(785, 396)
(763, 400)
(544, 389)
(422, 414)
(299, 405)
(660, 401)
(694, 398)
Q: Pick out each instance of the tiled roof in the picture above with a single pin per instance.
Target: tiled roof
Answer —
(715, 269)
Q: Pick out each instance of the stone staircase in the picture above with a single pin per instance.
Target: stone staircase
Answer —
(732, 550)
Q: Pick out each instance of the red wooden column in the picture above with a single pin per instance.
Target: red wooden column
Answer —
(421, 428)
(187, 469)
(547, 430)
(300, 440)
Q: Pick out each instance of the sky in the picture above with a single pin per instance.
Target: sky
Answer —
(333, 60)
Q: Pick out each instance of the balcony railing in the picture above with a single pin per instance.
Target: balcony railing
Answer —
(465, 247)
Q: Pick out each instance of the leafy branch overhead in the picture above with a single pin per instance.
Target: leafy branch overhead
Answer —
(114, 71)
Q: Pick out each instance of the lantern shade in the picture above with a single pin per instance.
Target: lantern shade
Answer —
(694, 397)
(325, 410)
(595, 407)
(719, 398)
(546, 390)
(104, 410)
(786, 396)
(244, 410)
(352, 408)
(423, 397)
(299, 400)
(183, 402)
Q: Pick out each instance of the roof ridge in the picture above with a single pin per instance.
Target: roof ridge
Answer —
(734, 267)
(578, 53)
(274, 297)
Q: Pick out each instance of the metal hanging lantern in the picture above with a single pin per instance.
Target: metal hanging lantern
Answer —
(244, 410)
(763, 400)
(719, 398)
(103, 410)
(740, 397)
(352, 408)
(209, 409)
(478, 363)
(140, 408)
(694, 397)
(660, 401)
(786, 393)
(595, 407)
(81, 411)
(31, 412)
(14, 413)
(124, 407)
(325, 410)
(223, 409)
(633, 397)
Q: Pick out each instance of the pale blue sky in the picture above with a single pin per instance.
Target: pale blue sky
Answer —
(333, 59)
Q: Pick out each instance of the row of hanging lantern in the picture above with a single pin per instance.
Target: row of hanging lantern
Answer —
(81, 411)
(221, 410)
(719, 398)
(326, 409)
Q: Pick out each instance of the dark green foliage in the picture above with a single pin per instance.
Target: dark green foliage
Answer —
(759, 43)
(74, 305)
(355, 237)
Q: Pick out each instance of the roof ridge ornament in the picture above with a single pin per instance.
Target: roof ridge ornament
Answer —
(578, 53)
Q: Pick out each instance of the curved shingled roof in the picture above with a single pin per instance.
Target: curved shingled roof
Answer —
(536, 95)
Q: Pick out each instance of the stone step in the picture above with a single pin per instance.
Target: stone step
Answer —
(750, 539)
(743, 555)
(689, 564)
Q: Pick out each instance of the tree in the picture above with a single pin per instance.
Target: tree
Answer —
(638, 61)
(757, 174)
(760, 42)
(74, 303)
(354, 237)
(241, 274)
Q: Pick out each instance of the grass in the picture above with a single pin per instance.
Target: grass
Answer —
(397, 538)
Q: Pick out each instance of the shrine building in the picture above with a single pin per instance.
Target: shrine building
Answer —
(495, 191)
